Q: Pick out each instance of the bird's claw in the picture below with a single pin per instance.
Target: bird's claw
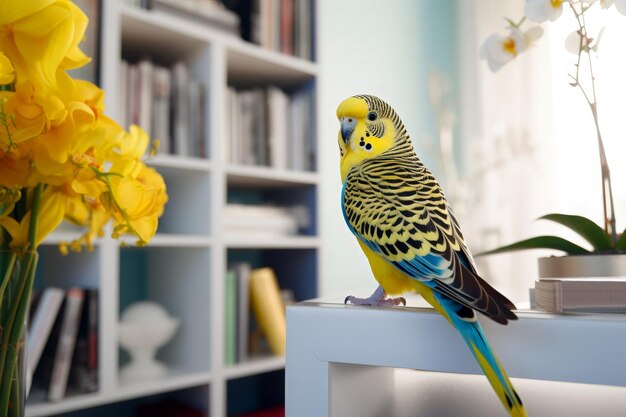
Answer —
(375, 300)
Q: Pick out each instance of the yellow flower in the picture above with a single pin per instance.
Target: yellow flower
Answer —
(149, 177)
(52, 149)
(136, 203)
(130, 148)
(54, 134)
(41, 37)
(50, 215)
(7, 73)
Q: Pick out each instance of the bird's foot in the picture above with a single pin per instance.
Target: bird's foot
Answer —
(379, 298)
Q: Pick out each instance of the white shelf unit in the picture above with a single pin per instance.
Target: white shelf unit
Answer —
(184, 266)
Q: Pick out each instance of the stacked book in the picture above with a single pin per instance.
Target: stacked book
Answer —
(597, 295)
(260, 221)
(168, 103)
(268, 127)
(255, 313)
(62, 348)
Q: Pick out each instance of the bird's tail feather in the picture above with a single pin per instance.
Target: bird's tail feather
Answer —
(466, 322)
(475, 338)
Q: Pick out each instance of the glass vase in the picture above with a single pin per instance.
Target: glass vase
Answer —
(17, 271)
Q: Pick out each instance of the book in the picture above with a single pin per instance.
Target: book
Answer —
(581, 295)
(259, 221)
(286, 26)
(268, 308)
(42, 323)
(146, 69)
(84, 369)
(40, 382)
(180, 109)
(278, 107)
(243, 270)
(65, 347)
(122, 100)
(230, 347)
(161, 108)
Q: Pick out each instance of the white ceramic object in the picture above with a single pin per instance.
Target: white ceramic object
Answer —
(583, 266)
(144, 328)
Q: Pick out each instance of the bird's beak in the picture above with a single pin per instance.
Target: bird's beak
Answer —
(347, 127)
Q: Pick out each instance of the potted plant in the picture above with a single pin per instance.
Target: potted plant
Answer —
(608, 246)
(577, 262)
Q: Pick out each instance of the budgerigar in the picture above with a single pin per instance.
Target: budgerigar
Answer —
(403, 223)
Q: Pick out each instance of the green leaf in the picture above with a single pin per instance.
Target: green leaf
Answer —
(621, 243)
(540, 242)
(591, 232)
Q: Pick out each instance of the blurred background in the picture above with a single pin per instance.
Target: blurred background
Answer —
(508, 147)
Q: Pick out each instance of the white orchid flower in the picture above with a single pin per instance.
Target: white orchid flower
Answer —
(541, 10)
(572, 42)
(498, 50)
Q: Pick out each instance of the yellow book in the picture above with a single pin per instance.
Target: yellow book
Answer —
(268, 308)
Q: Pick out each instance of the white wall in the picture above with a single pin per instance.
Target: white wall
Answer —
(369, 47)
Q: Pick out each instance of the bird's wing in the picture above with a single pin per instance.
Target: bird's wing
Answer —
(399, 211)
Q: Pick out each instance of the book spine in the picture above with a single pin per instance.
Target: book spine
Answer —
(231, 318)
(243, 319)
(65, 347)
(180, 110)
(161, 108)
(42, 323)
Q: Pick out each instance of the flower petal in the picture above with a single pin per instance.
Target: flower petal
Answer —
(7, 73)
(572, 42)
(537, 10)
(620, 5)
(532, 35)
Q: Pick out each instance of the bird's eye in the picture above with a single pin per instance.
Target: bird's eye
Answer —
(372, 116)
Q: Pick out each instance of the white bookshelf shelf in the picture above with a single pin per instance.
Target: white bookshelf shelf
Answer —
(172, 381)
(164, 240)
(253, 176)
(65, 236)
(247, 62)
(244, 60)
(255, 366)
(279, 242)
(180, 163)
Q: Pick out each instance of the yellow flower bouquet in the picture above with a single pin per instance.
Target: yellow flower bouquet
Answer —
(61, 158)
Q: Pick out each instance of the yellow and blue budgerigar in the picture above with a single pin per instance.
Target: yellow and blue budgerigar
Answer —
(403, 223)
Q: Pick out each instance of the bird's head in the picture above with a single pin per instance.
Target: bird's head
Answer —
(369, 127)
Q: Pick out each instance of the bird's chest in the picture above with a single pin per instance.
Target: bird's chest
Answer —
(391, 279)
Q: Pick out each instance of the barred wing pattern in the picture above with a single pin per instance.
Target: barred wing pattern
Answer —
(396, 207)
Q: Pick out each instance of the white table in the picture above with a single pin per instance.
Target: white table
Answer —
(345, 361)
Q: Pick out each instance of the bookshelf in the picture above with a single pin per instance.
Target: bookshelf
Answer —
(184, 267)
